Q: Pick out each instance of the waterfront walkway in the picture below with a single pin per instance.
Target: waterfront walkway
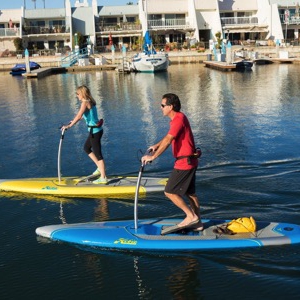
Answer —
(176, 57)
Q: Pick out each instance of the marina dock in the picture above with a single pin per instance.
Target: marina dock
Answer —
(219, 65)
(42, 72)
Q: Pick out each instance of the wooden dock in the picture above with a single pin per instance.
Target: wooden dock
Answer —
(108, 67)
(42, 72)
(219, 65)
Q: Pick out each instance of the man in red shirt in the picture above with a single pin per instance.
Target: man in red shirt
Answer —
(182, 180)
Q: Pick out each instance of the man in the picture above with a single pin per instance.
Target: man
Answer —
(182, 179)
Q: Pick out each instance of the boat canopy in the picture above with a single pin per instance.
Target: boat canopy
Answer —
(148, 46)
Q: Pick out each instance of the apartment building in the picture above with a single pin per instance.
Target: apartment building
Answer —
(169, 21)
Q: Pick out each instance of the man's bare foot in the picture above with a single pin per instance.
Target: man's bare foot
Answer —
(188, 222)
(198, 226)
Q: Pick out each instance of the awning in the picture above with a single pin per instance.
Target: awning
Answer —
(118, 35)
(244, 30)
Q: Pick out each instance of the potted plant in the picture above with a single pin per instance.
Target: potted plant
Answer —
(218, 45)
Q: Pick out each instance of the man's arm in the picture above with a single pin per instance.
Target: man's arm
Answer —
(163, 145)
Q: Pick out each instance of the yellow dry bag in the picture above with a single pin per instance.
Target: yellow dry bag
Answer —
(244, 224)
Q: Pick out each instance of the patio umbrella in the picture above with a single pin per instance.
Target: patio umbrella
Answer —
(110, 40)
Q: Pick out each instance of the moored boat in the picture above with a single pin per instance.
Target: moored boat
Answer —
(152, 62)
(19, 69)
(149, 60)
(243, 64)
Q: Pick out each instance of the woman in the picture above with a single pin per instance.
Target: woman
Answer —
(92, 145)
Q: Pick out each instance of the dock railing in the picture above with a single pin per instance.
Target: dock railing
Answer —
(73, 57)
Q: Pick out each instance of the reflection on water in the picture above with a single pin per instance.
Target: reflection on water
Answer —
(247, 125)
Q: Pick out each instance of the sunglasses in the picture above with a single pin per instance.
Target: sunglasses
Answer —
(163, 105)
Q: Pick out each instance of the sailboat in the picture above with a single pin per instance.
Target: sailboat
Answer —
(150, 61)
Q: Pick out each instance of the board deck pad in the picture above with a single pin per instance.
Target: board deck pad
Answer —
(175, 228)
(86, 178)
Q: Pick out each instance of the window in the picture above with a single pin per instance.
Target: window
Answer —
(57, 22)
(37, 23)
(154, 17)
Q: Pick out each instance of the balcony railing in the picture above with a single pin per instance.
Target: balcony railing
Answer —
(168, 23)
(9, 32)
(120, 27)
(293, 19)
(239, 21)
(45, 30)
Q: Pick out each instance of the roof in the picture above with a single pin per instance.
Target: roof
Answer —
(118, 10)
(48, 13)
(238, 5)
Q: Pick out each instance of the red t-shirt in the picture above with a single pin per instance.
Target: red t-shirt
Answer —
(183, 143)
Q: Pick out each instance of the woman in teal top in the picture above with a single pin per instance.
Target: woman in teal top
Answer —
(92, 145)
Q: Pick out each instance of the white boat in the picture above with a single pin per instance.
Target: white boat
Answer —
(153, 62)
(149, 60)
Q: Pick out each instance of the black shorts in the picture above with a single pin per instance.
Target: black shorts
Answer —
(182, 182)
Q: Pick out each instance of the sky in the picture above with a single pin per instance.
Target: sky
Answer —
(55, 3)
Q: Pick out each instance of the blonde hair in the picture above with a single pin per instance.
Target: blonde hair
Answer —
(86, 94)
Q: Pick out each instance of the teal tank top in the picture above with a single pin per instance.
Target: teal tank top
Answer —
(91, 118)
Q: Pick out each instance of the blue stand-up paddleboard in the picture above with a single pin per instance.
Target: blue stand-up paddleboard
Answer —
(152, 234)
(123, 235)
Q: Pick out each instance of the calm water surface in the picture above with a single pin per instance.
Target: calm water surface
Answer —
(247, 125)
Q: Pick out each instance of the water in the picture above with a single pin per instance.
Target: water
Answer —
(247, 125)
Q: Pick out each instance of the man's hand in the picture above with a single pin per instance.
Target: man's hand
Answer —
(146, 159)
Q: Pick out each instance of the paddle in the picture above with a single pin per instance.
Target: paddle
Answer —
(59, 153)
(137, 194)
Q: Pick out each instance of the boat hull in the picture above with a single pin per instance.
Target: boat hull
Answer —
(122, 235)
(72, 187)
(151, 63)
(243, 65)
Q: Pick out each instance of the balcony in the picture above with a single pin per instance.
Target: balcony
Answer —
(9, 32)
(28, 30)
(119, 27)
(168, 24)
(238, 21)
(294, 19)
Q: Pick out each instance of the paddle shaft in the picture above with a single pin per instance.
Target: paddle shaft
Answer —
(137, 196)
(59, 154)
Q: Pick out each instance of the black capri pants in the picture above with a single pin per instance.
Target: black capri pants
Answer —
(93, 144)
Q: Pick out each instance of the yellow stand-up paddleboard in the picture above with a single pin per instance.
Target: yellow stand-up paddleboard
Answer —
(81, 186)
(73, 186)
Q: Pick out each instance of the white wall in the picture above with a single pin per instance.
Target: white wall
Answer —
(11, 14)
(167, 6)
(276, 32)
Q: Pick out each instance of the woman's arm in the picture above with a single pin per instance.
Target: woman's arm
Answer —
(78, 117)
